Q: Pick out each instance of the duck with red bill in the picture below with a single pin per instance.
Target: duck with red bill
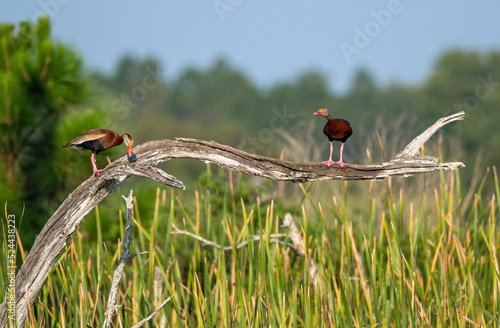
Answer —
(98, 140)
(335, 129)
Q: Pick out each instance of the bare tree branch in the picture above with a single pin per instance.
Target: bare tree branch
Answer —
(206, 242)
(413, 148)
(59, 228)
(52, 239)
(126, 255)
(407, 162)
(299, 244)
(143, 321)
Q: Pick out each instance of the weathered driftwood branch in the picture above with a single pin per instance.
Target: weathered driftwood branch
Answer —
(407, 162)
(298, 243)
(126, 255)
(205, 242)
(155, 312)
(413, 148)
(52, 239)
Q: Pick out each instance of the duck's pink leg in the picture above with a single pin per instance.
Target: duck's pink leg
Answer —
(329, 161)
(94, 165)
(341, 151)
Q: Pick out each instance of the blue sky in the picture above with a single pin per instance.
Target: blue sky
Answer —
(273, 41)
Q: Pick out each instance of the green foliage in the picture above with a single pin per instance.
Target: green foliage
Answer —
(469, 81)
(308, 92)
(39, 79)
(198, 94)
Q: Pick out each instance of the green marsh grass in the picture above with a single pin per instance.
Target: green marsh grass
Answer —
(394, 253)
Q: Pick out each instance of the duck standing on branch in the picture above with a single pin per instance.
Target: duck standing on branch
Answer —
(98, 140)
(335, 129)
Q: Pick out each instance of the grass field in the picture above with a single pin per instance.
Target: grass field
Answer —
(388, 254)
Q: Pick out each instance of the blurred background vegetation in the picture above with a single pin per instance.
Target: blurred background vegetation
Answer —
(47, 97)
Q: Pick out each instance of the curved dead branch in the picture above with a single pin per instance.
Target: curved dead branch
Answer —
(407, 162)
(52, 239)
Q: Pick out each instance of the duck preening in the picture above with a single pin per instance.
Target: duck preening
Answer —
(98, 140)
(335, 129)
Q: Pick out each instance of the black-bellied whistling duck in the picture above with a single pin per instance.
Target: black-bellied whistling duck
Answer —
(335, 129)
(98, 140)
